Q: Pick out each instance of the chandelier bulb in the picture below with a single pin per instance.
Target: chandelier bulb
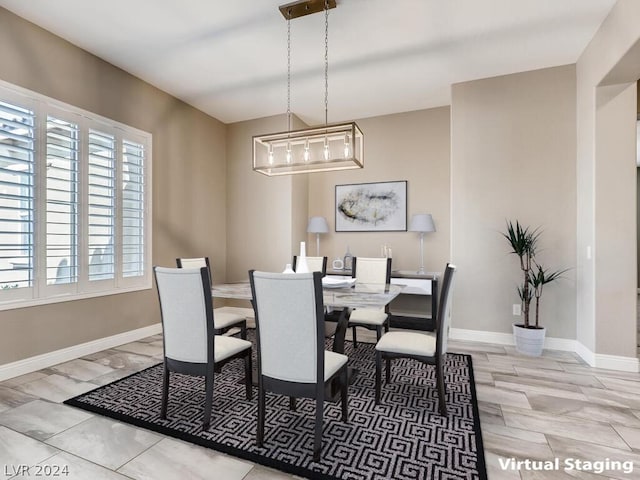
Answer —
(326, 149)
(307, 154)
(288, 152)
(271, 154)
(346, 146)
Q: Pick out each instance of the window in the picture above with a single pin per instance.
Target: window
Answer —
(74, 202)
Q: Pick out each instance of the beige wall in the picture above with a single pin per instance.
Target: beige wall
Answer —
(412, 146)
(300, 214)
(188, 182)
(603, 306)
(615, 261)
(513, 157)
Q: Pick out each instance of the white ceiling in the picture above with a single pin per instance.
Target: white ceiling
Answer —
(385, 56)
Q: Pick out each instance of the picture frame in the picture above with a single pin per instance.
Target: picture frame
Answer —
(371, 207)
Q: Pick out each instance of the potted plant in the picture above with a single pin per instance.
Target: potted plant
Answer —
(529, 338)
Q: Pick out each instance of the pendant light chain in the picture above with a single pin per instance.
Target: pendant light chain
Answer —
(289, 71)
(326, 62)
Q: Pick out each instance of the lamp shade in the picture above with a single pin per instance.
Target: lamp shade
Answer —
(317, 225)
(422, 222)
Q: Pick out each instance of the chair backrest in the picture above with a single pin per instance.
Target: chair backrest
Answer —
(197, 262)
(371, 270)
(315, 264)
(289, 325)
(442, 317)
(187, 313)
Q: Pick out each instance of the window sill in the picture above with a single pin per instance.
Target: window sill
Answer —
(15, 304)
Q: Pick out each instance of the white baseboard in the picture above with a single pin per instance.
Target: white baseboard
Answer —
(33, 364)
(597, 360)
(507, 339)
(608, 362)
(481, 336)
(586, 354)
(614, 362)
(563, 344)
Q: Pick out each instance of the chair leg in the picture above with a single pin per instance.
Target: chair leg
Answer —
(165, 393)
(441, 388)
(208, 402)
(292, 404)
(388, 370)
(378, 375)
(317, 443)
(353, 335)
(261, 414)
(344, 380)
(386, 330)
(379, 336)
(248, 372)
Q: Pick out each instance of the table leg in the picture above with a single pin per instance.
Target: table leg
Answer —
(341, 330)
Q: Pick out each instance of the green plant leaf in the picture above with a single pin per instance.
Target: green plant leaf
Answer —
(523, 240)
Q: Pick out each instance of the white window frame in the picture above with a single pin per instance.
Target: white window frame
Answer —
(40, 292)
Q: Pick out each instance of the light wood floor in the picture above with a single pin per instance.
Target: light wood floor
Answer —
(537, 409)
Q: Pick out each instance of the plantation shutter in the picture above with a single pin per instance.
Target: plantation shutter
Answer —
(17, 133)
(101, 205)
(61, 202)
(133, 214)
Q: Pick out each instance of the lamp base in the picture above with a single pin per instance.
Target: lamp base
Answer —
(421, 271)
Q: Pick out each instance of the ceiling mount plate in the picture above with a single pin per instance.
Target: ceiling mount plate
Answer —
(304, 7)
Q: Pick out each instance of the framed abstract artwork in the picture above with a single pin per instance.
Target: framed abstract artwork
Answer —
(372, 207)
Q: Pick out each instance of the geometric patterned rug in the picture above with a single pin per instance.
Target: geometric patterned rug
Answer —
(402, 438)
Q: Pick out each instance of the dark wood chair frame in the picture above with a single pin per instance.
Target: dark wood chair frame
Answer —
(300, 390)
(377, 328)
(324, 264)
(202, 369)
(437, 360)
(241, 324)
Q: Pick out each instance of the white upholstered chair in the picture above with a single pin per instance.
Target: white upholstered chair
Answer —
(292, 359)
(429, 348)
(190, 344)
(373, 271)
(315, 264)
(226, 318)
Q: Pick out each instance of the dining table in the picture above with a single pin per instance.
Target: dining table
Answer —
(336, 296)
(344, 298)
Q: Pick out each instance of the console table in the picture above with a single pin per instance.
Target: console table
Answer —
(417, 305)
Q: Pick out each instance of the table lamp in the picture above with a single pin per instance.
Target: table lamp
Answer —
(422, 223)
(317, 225)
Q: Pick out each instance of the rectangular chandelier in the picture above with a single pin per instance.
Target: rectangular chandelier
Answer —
(318, 149)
